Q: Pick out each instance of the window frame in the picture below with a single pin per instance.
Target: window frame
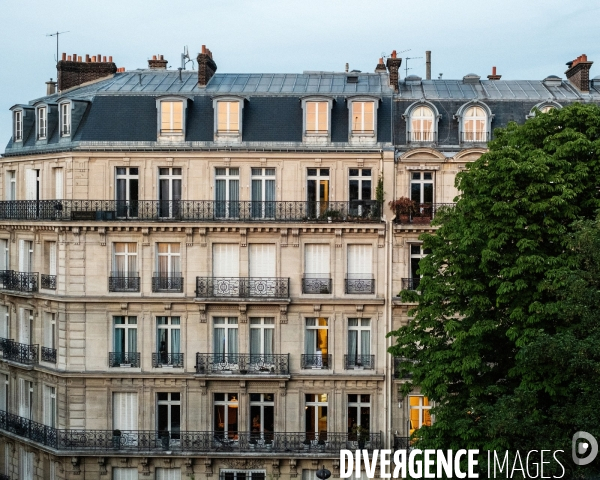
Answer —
(169, 403)
(316, 403)
(18, 130)
(408, 116)
(460, 116)
(421, 407)
(362, 135)
(231, 401)
(320, 134)
(359, 404)
(65, 118)
(547, 104)
(228, 134)
(42, 122)
(169, 134)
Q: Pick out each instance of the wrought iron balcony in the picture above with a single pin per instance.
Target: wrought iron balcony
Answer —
(479, 136)
(191, 210)
(48, 281)
(242, 287)
(124, 359)
(359, 362)
(119, 283)
(419, 213)
(48, 354)
(164, 359)
(316, 362)
(19, 281)
(360, 286)
(411, 283)
(167, 283)
(19, 352)
(316, 285)
(402, 443)
(422, 136)
(202, 442)
(242, 364)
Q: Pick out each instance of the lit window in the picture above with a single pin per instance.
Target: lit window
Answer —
(65, 119)
(363, 119)
(317, 117)
(421, 125)
(228, 117)
(419, 412)
(226, 418)
(171, 117)
(316, 344)
(42, 122)
(475, 125)
(547, 108)
(316, 417)
(18, 124)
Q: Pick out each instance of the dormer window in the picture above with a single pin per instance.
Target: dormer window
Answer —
(18, 125)
(475, 122)
(171, 117)
(363, 117)
(228, 117)
(65, 119)
(42, 122)
(317, 118)
(543, 107)
(421, 122)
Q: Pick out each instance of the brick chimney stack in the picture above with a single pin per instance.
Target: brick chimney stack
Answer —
(206, 66)
(380, 68)
(493, 76)
(579, 73)
(157, 63)
(73, 72)
(393, 65)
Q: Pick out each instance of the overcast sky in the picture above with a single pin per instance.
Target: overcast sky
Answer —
(525, 39)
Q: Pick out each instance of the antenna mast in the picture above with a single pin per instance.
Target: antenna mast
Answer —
(406, 69)
(56, 34)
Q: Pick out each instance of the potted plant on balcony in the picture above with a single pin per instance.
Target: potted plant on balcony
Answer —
(404, 208)
(423, 214)
(116, 439)
(163, 435)
(332, 215)
(361, 435)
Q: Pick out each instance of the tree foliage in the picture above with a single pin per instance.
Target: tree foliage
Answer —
(505, 335)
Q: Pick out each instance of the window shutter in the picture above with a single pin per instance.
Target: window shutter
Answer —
(226, 260)
(316, 260)
(262, 260)
(359, 261)
(31, 184)
(58, 183)
(52, 254)
(125, 411)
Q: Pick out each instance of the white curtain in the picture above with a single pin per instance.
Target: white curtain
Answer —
(31, 179)
(4, 322)
(24, 326)
(125, 411)
(226, 260)
(25, 464)
(168, 474)
(124, 473)
(52, 258)
(3, 254)
(360, 261)
(262, 260)
(24, 399)
(316, 262)
(310, 343)
(3, 392)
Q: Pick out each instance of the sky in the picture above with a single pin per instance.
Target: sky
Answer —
(524, 39)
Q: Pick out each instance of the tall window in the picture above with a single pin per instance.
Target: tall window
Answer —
(316, 416)
(127, 191)
(25, 255)
(4, 254)
(316, 343)
(25, 326)
(125, 340)
(421, 125)
(421, 187)
(226, 416)
(4, 322)
(419, 412)
(225, 340)
(363, 117)
(168, 340)
(245, 475)
(126, 473)
(125, 259)
(11, 185)
(263, 266)
(360, 184)
(169, 186)
(125, 411)
(228, 117)
(25, 464)
(171, 117)
(359, 343)
(4, 392)
(262, 415)
(317, 117)
(165, 474)
(50, 406)
(417, 252)
(50, 258)
(42, 122)
(226, 269)
(227, 192)
(316, 269)
(18, 126)
(32, 184)
(359, 413)
(50, 330)
(263, 192)
(58, 183)
(360, 266)
(475, 125)
(261, 338)
(65, 119)
(169, 414)
(317, 191)
(26, 399)
(169, 260)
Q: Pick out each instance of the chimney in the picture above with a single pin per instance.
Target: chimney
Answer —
(50, 87)
(579, 73)
(157, 63)
(428, 65)
(393, 65)
(206, 66)
(347, 67)
(493, 76)
(73, 72)
(380, 68)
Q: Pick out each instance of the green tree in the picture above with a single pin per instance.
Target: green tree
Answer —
(495, 331)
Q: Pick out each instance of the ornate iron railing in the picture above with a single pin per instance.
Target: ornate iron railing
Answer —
(316, 285)
(191, 210)
(19, 352)
(355, 361)
(242, 363)
(124, 359)
(19, 281)
(185, 441)
(317, 362)
(419, 213)
(48, 354)
(402, 443)
(360, 285)
(422, 136)
(243, 287)
(167, 283)
(48, 281)
(164, 359)
(411, 283)
(118, 283)
(479, 136)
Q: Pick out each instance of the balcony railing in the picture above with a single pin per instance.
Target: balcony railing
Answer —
(124, 359)
(364, 285)
(48, 354)
(191, 210)
(422, 137)
(119, 283)
(479, 136)
(421, 213)
(411, 283)
(163, 359)
(4, 477)
(316, 285)
(359, 362)
(165, 283)
(242, 364)
(19, 281)
(316, 361)
(48, 281)
(243, 287)
(402, 443)
(185, 441)
(19, 352)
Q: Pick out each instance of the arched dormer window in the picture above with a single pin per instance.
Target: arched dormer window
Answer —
(171, 112)
(475, 122)
(421, 122)
(543, 107)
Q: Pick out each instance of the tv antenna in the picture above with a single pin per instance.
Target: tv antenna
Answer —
(184, 55)
(406, 69)
(56, 34)
(383, 55)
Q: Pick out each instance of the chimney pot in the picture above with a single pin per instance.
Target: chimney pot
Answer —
(110, 58)
(494, 75)
(206, 66)
(64, 56)
(153, 57)
(69, 58)
(79, 58)
(203, 48)
(161, 57)
(393, 53)
(104, 59)
(93, 59)
(50, 87)
(380, 68)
